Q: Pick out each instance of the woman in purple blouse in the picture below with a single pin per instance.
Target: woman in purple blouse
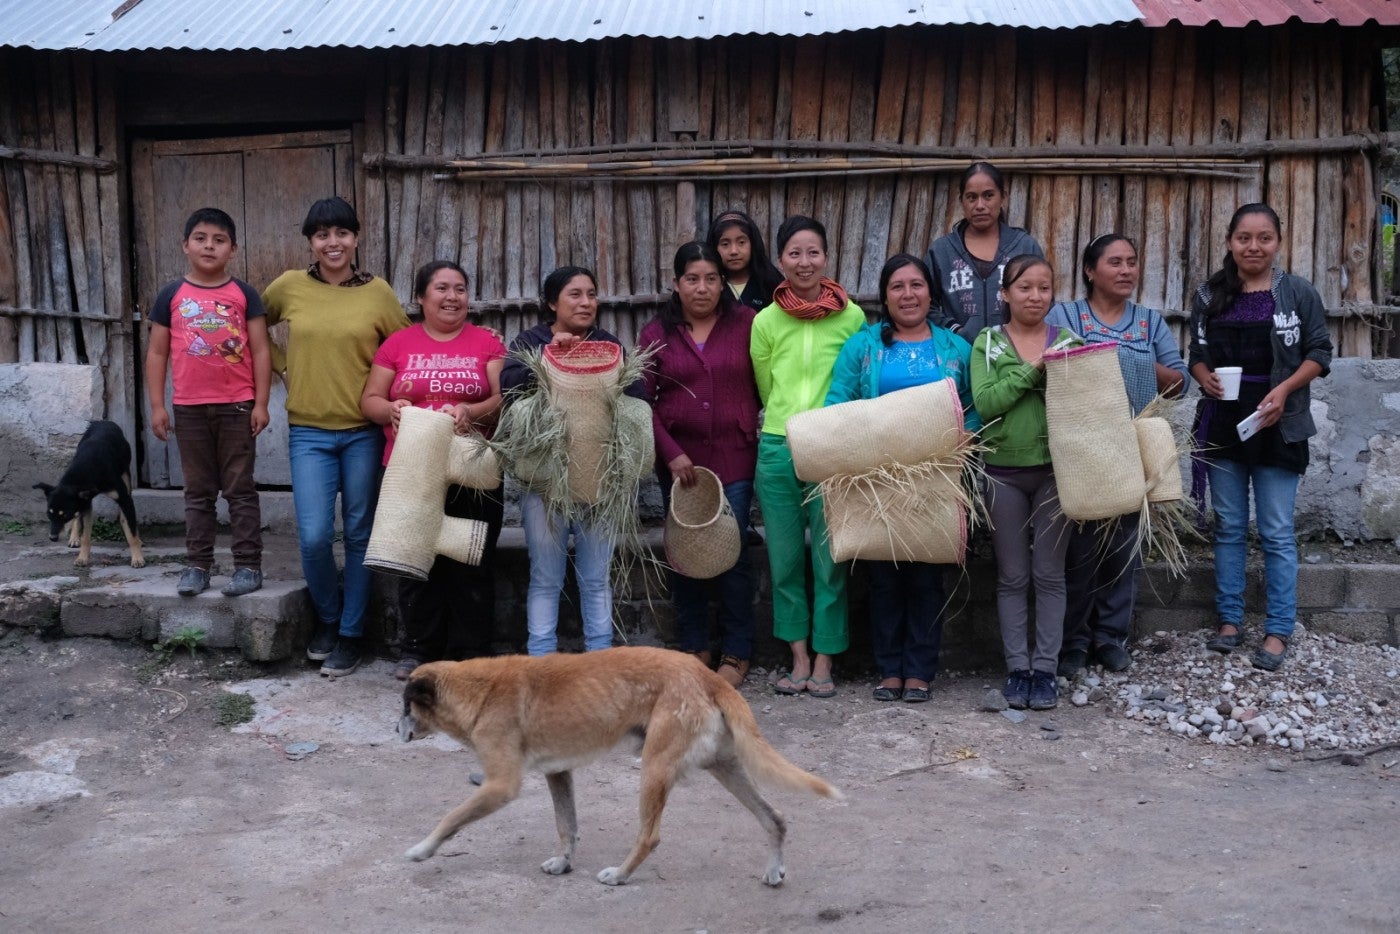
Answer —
(705, 414)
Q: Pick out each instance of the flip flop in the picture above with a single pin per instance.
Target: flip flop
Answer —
(825, 688)
(794, 685)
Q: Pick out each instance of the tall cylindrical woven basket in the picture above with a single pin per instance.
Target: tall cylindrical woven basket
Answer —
(1093, 444)
(1161, 461)
(702, 534)
(581, 383)
(410, 530)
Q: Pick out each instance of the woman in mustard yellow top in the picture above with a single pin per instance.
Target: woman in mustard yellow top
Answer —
(794, 343)
(337, 318)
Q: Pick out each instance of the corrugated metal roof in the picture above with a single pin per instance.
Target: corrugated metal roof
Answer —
(301, 24)
(1237, 13)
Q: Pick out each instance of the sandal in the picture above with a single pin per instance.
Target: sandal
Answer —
(825, 688)
(1270, 661)
(733, 669)
(793, 686)
(1224, 642)
(404, 669)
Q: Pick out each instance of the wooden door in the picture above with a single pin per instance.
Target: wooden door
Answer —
(265, 183)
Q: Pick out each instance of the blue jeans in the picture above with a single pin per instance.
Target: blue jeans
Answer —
(547, 539)
(1274, 492)
(326, 463)
(692, 597)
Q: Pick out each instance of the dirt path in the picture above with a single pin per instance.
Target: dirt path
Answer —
(957, 819)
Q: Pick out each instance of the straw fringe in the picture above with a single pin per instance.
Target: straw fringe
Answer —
(532, 441)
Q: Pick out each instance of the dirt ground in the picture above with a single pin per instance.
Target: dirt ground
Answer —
(124, 806)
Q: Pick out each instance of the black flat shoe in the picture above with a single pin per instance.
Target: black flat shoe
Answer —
(915, 695)
(1225, 643)
(885, 694)
(1270, 661)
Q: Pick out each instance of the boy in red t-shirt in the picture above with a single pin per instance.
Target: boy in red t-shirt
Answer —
(209, 330)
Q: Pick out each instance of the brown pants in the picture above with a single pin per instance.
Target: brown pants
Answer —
(217, 452)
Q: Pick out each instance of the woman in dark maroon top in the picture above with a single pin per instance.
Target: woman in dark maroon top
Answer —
(705, 414)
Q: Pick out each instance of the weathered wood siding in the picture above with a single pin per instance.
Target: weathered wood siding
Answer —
(64, 284)
(970, 88)
(66, 251)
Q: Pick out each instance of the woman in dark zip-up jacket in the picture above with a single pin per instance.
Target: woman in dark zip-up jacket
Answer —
(967, 262)
(1272, 325)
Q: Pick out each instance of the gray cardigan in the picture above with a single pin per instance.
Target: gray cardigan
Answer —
(1300, 333)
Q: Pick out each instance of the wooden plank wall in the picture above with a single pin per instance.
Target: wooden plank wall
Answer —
(65, 254)
(64, 283)
(969, 87)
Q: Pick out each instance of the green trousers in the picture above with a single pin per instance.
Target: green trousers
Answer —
(785, 522)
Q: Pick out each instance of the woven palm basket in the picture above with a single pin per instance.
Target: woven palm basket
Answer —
(582, 384)
(916, 518)
(1160, 460)
(702, 535)
(910, 426)
(1093, 444)
(410, 530)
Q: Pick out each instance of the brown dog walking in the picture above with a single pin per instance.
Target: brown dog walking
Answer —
(557, 712)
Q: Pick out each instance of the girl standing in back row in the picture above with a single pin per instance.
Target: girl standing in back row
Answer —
(748, 272)
(967, 262)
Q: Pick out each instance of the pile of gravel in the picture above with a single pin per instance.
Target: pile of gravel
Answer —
(1330, 693)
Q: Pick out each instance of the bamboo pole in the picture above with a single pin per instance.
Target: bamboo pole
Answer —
(1363, 142)
(497, 170)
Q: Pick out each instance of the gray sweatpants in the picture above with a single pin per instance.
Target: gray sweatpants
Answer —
(1029, 536)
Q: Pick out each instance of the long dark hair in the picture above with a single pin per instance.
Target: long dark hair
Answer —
(762, 273)
(1226, 285)
(554, 285)
(893, 265)
(696, 251)
(992, 172)
(1094, 252)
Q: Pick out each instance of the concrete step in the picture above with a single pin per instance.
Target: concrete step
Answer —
(263, 626)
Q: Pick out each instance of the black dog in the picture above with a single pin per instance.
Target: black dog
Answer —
(100, 465)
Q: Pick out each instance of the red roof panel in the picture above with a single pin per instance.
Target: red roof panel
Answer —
(1236, 13)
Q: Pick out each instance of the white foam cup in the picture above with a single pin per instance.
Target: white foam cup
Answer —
(1229, 377)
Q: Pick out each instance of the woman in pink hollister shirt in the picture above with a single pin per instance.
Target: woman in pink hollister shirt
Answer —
(450, 365)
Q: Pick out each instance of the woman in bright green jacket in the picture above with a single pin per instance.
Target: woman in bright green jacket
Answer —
(794, 344)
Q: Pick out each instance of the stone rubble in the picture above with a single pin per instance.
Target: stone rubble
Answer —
(1330, 693)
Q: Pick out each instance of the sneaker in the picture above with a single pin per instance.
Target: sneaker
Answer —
(344, 658)
(1113, 657)
(1017, 690)
(1072, 663)
(323, 641)
(243, 581)
(193, 581)
(1044, 695)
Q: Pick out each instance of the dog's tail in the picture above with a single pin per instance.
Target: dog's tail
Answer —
(764, 763)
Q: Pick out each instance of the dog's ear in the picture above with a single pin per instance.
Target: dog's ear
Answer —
(46, 487)
(421, 690)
